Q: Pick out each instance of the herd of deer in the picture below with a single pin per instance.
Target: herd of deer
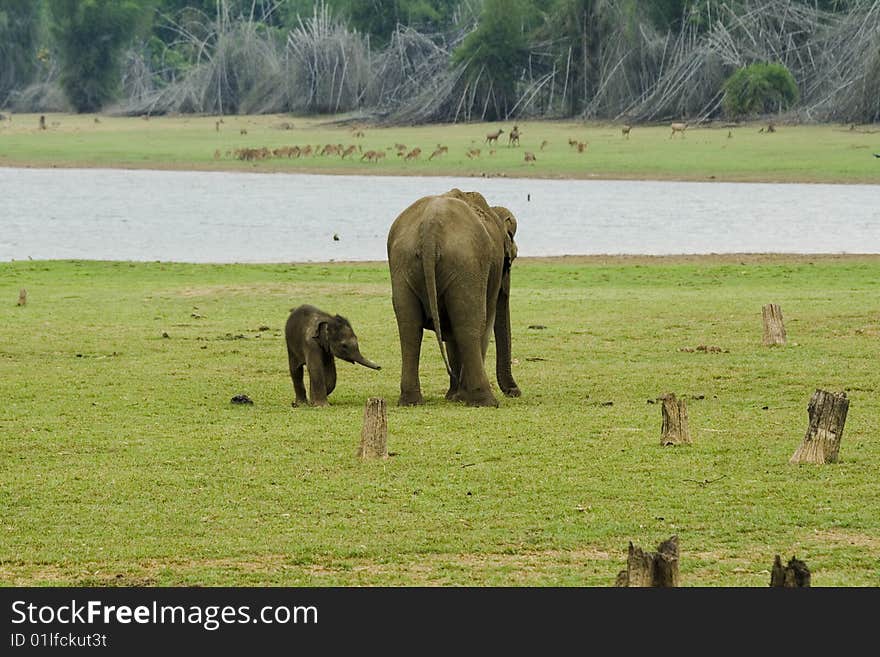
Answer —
(408, 154)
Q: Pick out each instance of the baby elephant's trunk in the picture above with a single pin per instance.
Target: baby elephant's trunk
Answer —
(358, 358)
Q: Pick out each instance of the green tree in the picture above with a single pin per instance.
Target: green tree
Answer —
(89, 36)
(759, 88)
(19, 28)
(494, 55)
(379, 18)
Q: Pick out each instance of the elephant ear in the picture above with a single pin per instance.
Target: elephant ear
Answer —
(509, 224)
(321, 334)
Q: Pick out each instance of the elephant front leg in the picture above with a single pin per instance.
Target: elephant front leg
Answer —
(503, 350)
(329, 373)
(317, 380)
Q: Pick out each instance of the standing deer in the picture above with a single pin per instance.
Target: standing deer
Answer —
(678, 127)
(625, 130)
(530, 157)
(513, 137)
(492, 137)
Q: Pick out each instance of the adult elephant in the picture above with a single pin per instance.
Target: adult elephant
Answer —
(450, 258)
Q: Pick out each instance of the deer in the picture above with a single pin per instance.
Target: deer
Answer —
(572, 142)
(513, 137)
(473, 152)
(582, 146)
(437, 153)
(492, 137)
(625, 130)
(348, 151)
(413, 154)
(529, 157)
(678, 127)
(544, 144)
(369, 156)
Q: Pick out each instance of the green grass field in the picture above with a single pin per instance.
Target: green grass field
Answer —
(828, 153)
(122, 460)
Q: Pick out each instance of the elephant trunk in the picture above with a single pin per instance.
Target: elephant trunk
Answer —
(503, 341)
(366, 363)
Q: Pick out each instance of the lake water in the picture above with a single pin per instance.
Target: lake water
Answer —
(245, 217)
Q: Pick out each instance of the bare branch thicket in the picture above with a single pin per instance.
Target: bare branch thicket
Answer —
(637, 73)
(412, 80)
(327, 67)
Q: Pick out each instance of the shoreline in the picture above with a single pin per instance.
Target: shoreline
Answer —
(525, 175)
(601, 260)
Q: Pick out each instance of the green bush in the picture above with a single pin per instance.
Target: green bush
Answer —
(759, 89)
(90, 35)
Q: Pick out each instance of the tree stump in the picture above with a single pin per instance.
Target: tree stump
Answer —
(774, 328)
(675, 421)
(657, 569)
(374, 435)
(794, 575)
(821, 444)
(22, 297)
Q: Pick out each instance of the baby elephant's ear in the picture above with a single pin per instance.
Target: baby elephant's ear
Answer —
(322, 336)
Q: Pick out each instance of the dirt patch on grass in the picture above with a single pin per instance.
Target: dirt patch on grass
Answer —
(419, 569)
(840, 536)
(291, 291)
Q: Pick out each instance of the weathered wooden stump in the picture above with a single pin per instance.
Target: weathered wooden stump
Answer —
(374, 435)
(675, 421)
(774, 328)
(22, 297)
(794, 575)
(821, 444)
(657, 569)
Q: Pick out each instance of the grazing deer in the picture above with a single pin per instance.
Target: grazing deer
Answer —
(440, 151)
(770, 128)
(473, 152)
(625, 130)
(529, 157)
(513, 137)
(348, 151)
(544, 144)
(243, 131)
(678, 127)
(369, 156)
(492, 137)
(358, 133)
(582, 146)
(379, 155)
(413, 154)
(572, 142)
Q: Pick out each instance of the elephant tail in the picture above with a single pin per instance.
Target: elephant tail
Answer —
(429, 263)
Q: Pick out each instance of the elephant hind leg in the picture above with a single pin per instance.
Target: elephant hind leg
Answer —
(474, 388)
(455, 366)
(410, 322)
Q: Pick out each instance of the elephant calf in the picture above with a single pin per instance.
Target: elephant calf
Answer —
(314, 340)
